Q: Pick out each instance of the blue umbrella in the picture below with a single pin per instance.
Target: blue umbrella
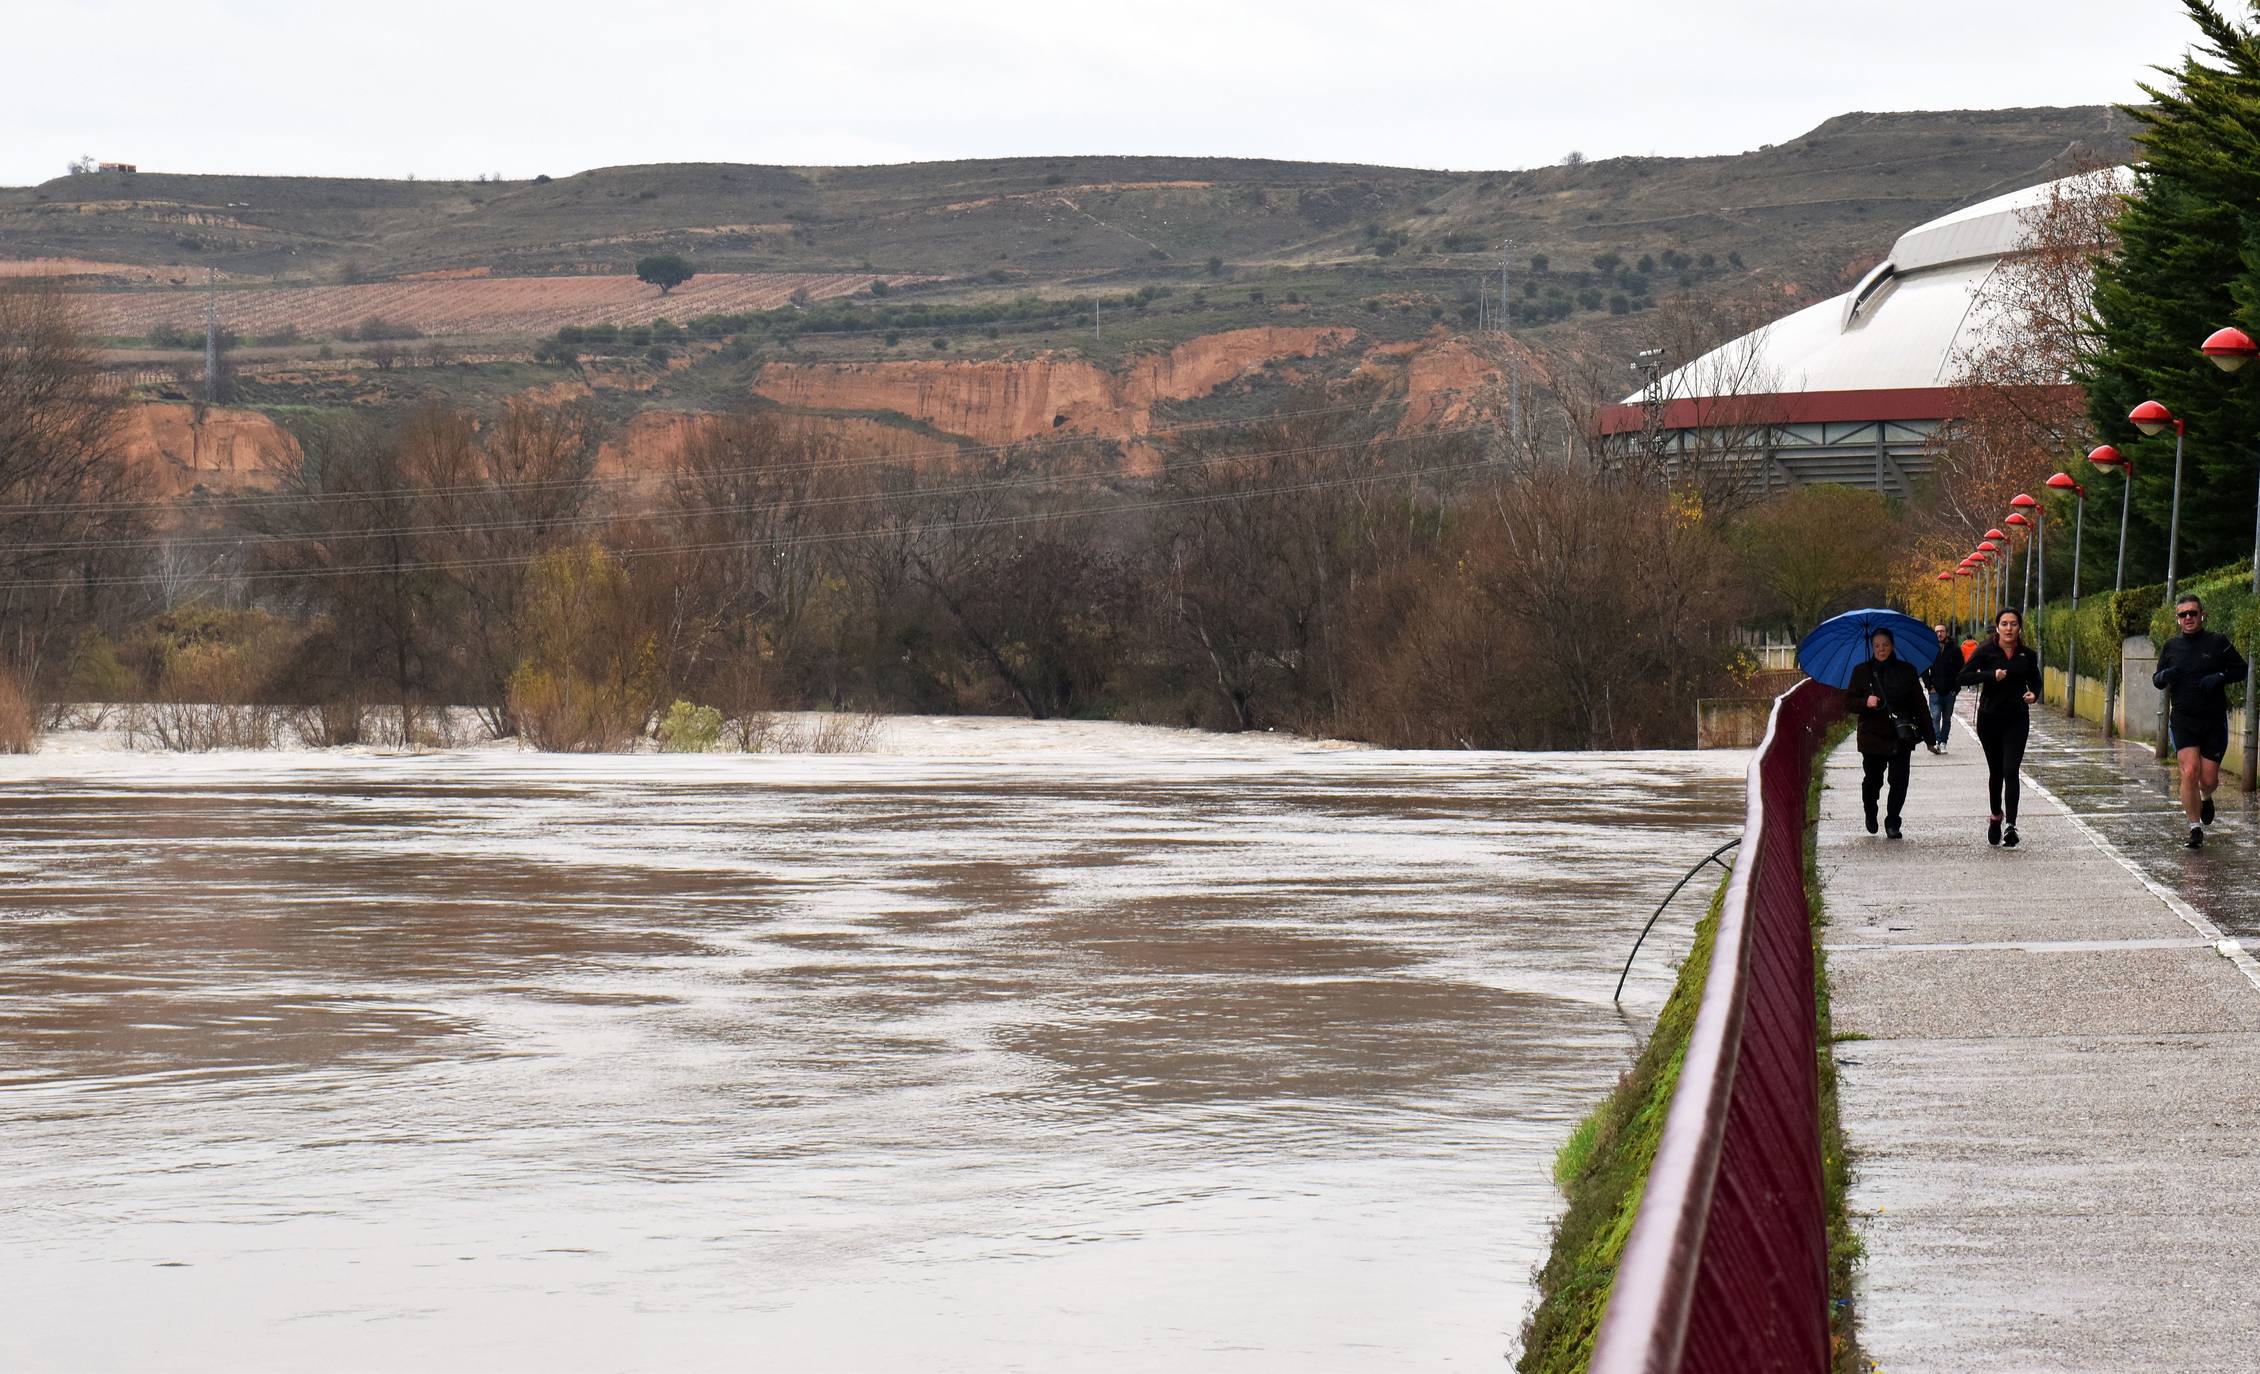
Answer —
(1840, 643)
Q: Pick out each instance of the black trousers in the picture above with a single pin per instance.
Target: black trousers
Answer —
(2003, 739)
(1876, 768)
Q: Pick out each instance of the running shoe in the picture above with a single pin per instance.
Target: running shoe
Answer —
(1993, 831)
(2009, 836)
(2196, 838)
(2205, 811)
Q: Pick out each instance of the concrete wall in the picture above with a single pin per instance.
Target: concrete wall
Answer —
(2090, 704)
(1731, 722)
(2138, 700)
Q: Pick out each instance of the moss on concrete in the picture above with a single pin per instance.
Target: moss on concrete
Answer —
(1603, 1167)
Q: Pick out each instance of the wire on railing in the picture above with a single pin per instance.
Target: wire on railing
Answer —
(1726, 1268)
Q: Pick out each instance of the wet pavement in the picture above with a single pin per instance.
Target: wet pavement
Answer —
(1016, 1047)
(2045, 1066)
(2128, 796)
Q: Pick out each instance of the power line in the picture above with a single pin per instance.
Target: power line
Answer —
(868, 459)
(582, 520)
(799, 540)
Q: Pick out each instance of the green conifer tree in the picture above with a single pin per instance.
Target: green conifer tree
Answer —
(2189, 263)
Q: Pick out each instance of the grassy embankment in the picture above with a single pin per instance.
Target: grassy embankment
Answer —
(1603, 1167)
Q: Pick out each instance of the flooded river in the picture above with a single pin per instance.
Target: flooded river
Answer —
(1014, 1046)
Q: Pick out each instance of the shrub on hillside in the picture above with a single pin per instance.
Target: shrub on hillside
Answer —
(378, 329)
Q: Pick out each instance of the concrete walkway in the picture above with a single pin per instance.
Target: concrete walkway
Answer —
(2055, 1111)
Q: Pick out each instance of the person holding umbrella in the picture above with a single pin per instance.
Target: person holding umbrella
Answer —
(2006, 673)
(1876, 657)
(1887, 694)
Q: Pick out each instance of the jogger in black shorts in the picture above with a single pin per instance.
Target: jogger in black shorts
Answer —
(2007, 676)
(2197, 666)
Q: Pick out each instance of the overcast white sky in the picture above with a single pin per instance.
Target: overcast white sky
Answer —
(454, 89)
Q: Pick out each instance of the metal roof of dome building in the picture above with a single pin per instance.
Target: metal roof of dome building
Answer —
(1886, 353)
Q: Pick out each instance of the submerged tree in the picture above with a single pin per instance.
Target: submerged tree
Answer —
(67, 515)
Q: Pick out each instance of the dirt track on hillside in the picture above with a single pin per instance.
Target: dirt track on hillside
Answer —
(485, 305)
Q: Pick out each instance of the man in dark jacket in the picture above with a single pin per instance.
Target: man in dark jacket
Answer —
(1939, 677)
(2196, 667)
(1886, 691)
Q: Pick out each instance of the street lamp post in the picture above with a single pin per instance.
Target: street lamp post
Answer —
(1996, 540)
(2021, 523)
(2230, 349)
(2062, 481)
(2108, 459)
(2036, 557)
(2152, 418)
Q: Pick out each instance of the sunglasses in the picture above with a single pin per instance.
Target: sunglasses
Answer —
(2189, 615)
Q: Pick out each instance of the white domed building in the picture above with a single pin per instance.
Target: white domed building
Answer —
(1854, 389)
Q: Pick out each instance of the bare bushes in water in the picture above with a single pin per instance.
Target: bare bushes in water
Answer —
(199, 703)
(833, 732)
(330, 724)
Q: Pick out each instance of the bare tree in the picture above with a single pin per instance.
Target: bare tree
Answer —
(2022, 415)
(1269, 530)
(66, 489)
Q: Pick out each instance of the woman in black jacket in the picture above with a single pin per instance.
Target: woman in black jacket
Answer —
(2006, 673)
(1887, 694)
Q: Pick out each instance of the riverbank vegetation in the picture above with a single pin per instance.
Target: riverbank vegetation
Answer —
(1327, 567)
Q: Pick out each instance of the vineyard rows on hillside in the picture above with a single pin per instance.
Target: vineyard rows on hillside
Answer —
(492, 305)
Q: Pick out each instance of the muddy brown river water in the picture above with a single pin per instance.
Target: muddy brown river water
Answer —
(1013, 1047)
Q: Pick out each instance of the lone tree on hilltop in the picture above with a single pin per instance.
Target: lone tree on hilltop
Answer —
(665, 270)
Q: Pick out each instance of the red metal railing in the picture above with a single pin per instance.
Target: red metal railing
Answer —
(1726, 1268)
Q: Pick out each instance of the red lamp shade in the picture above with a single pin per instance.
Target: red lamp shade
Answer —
(1996, 533)
(2229, 348)
(1988, 546)
(1965, 571)
(2017, 519)
(2105, 457)
(2062, 481)
(2150, 417)
(1946, 577)
(2022, 502)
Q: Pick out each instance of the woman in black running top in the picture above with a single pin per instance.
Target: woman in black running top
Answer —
(2007, 675)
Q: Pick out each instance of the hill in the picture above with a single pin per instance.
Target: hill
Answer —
(976, 264)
